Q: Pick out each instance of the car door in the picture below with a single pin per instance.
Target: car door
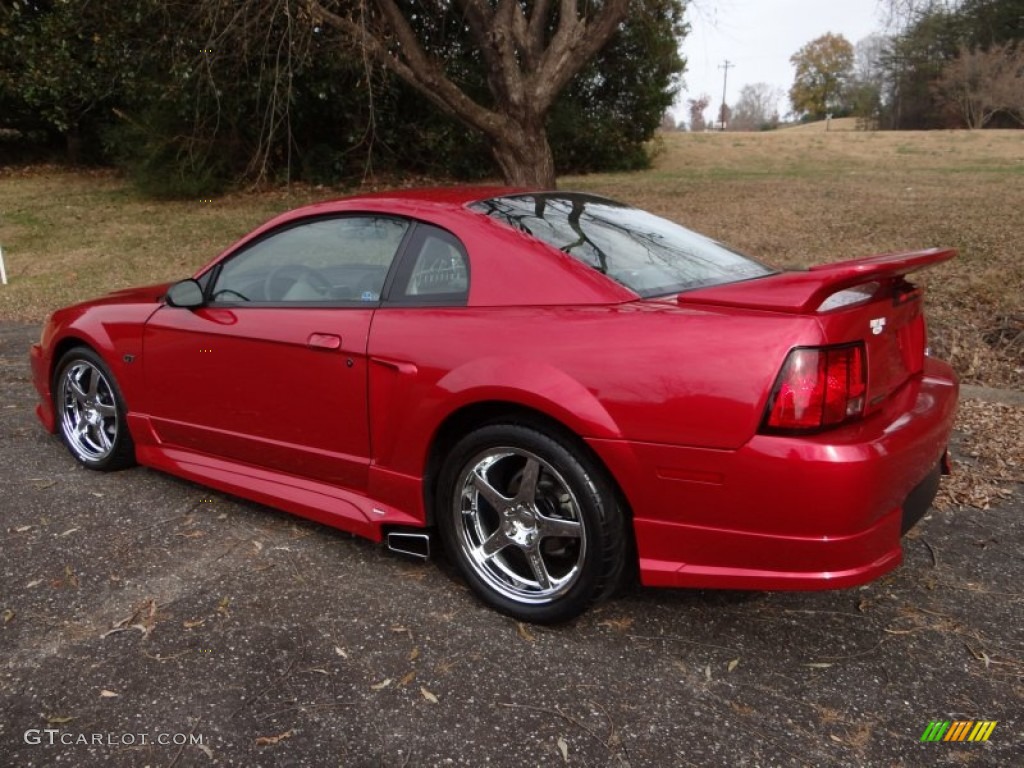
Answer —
(418, 335)
(272, 370)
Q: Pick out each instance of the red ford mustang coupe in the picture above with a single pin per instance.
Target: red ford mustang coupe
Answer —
(565, 389)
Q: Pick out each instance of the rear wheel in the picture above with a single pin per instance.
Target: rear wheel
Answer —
(91, 412)
(531, 521)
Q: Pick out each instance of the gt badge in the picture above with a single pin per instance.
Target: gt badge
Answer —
(878, 325)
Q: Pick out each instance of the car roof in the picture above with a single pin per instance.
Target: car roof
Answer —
(558, 279)
(408, 200)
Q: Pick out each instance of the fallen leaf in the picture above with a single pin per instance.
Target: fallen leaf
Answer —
(733, 664)
(340, 651)
(222, 606)
(58, 719)
(144, 620)
(69, 531)
(35, 583)
(563, 747)
(408, 678)
(206, 750)
(193, 624)
(428, 695)
(381, 685)
(258, 546)
(819, 665)
(320, 671)
(108, 694)
(707, 672)
(269, 741)
(620, 624)
(23, 528)
(414, 654)
(835, 738)
(96, 494)
(69, 577)
(8, 615)
(524, 633)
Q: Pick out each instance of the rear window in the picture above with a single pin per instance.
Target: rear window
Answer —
(649, 255)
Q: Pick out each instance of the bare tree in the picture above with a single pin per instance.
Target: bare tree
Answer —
(980, 84)
(696, 109)
(530, 53)
(756, 107)
(899, 14)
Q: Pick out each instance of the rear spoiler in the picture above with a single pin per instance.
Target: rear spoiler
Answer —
(804, 292)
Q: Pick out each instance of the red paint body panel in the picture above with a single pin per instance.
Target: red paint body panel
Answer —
(787, 512)
(331, 412)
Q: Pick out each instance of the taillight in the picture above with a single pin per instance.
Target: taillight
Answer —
(818, 387)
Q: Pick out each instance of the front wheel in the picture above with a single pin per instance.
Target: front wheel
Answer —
(531, 521)
(91, 413)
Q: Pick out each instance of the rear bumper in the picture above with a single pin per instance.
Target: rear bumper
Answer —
(789, 512)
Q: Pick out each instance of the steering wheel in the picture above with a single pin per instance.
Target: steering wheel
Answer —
(226, 291)
(294, 273)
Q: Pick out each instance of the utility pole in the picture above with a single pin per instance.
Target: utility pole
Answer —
(726, 66)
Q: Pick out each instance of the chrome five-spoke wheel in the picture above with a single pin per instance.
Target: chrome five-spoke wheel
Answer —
(531, 522)
(519, 525)
(90, 413)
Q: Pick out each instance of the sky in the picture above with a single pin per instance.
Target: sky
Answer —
(758, 37)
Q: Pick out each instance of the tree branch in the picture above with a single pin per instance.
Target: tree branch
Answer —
(574, 44)
(412, 64)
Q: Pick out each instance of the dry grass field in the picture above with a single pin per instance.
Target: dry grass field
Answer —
(792, 198)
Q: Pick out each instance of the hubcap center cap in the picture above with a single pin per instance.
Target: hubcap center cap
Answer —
(520, 525)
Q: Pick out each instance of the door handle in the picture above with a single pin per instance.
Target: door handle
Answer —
(324, 341)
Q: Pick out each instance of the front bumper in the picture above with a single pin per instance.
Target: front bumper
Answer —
(41, 380)
(781, 512)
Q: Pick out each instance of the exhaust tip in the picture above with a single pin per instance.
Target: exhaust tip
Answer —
(411, 544)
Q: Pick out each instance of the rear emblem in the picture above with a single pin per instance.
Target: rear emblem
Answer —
(878, 325)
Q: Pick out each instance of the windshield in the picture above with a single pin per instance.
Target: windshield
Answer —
(649, 255)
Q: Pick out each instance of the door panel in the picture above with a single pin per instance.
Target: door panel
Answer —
(278, 387)
(271, 371)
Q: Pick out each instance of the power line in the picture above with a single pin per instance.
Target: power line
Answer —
(725, 66)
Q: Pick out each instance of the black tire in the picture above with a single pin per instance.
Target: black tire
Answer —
(531, 521)
(91, 412)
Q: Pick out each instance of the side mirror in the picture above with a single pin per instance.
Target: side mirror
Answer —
(186, 293)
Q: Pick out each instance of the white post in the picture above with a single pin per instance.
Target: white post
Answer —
(3, 271)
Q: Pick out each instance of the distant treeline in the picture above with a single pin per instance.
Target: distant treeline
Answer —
(952, 65)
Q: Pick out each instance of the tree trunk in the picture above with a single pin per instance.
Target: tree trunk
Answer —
(524, 156)
(73, 139)
(530, 52)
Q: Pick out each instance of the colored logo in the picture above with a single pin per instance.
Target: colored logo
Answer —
(958, 730)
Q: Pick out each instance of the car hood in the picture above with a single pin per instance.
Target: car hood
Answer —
(146, 298)
(147, 294)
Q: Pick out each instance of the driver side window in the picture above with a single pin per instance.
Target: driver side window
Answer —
(340, 259)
